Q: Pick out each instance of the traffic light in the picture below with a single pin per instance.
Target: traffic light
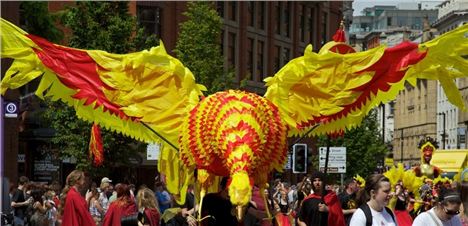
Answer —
(299, 158)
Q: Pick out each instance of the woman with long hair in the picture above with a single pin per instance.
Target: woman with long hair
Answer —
(73, 205)
(95, 208)
(373, 200)
(402, 216)
(282, 215)
(148, 205)
(123, 206)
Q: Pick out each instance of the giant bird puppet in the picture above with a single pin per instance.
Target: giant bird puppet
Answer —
(152, 97)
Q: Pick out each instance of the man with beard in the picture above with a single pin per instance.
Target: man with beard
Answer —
(348, 199)
(75, 208)
(321, 208)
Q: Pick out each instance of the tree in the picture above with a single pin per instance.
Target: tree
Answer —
(198, 46)
(38, 21)
(106, 26)
(364, 146)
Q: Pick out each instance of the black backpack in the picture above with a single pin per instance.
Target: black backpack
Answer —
(366, 209)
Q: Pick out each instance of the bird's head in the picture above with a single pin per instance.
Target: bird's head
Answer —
(240, 191)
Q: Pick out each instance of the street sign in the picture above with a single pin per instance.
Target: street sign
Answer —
(336, 159)
(11, 109)
(21, 158)
(153, 151)
(331, 169)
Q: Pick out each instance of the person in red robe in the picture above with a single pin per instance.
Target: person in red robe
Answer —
(75, 208)
(123, 206)
(401, 214)
(322, 208)
(149, 204)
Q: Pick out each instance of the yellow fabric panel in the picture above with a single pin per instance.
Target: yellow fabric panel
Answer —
(178, 177)
(150, 85)
(444, 62)
(320, 83)
(450, 160)
(16, 45)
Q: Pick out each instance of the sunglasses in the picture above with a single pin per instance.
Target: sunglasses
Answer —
(451, 212)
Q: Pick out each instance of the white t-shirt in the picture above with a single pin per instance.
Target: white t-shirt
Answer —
(104, 201)
(424, 219)
(378, 218)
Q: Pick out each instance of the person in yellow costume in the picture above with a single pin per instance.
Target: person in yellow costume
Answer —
(427, 146)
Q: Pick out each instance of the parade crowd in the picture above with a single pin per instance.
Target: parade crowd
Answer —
(311, 202)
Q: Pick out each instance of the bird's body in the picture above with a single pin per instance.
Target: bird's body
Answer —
(234, 132)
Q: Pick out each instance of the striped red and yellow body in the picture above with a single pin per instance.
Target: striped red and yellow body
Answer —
(236, 134)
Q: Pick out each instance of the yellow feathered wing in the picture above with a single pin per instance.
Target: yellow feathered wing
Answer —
(118, 91)
(338, 90)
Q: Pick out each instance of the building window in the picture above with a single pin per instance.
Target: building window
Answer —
(389, 21)
(311, 25)
(250, 60)
(251, 13)
(392, 108)
(302, 14)
(278, 18)
(232, 11)
(287, 19)
(220, 8)
(324, 28)
(286, 56)
(232, 49)
(260, 61)
(261, 15)
(150, 18)
(276, 57)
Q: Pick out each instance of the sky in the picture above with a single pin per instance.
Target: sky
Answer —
(359, 5)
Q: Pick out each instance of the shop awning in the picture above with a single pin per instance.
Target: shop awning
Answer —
(450, 160)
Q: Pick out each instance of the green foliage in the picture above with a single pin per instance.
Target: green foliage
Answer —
(38, 21)
(198, 46)
(364, 147)
(106, 26)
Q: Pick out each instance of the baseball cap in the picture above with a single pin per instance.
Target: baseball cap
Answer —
(106, 180)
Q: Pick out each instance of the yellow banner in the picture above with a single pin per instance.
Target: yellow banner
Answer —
(389, 162)
(450, 160)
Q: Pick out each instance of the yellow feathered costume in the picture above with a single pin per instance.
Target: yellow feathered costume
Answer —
(408, 179)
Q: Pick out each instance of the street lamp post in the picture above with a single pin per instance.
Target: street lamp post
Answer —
(383, 123)
(401, 145)
(443, 133)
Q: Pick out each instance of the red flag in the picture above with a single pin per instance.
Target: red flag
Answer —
(340, 34)
(96, 150)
